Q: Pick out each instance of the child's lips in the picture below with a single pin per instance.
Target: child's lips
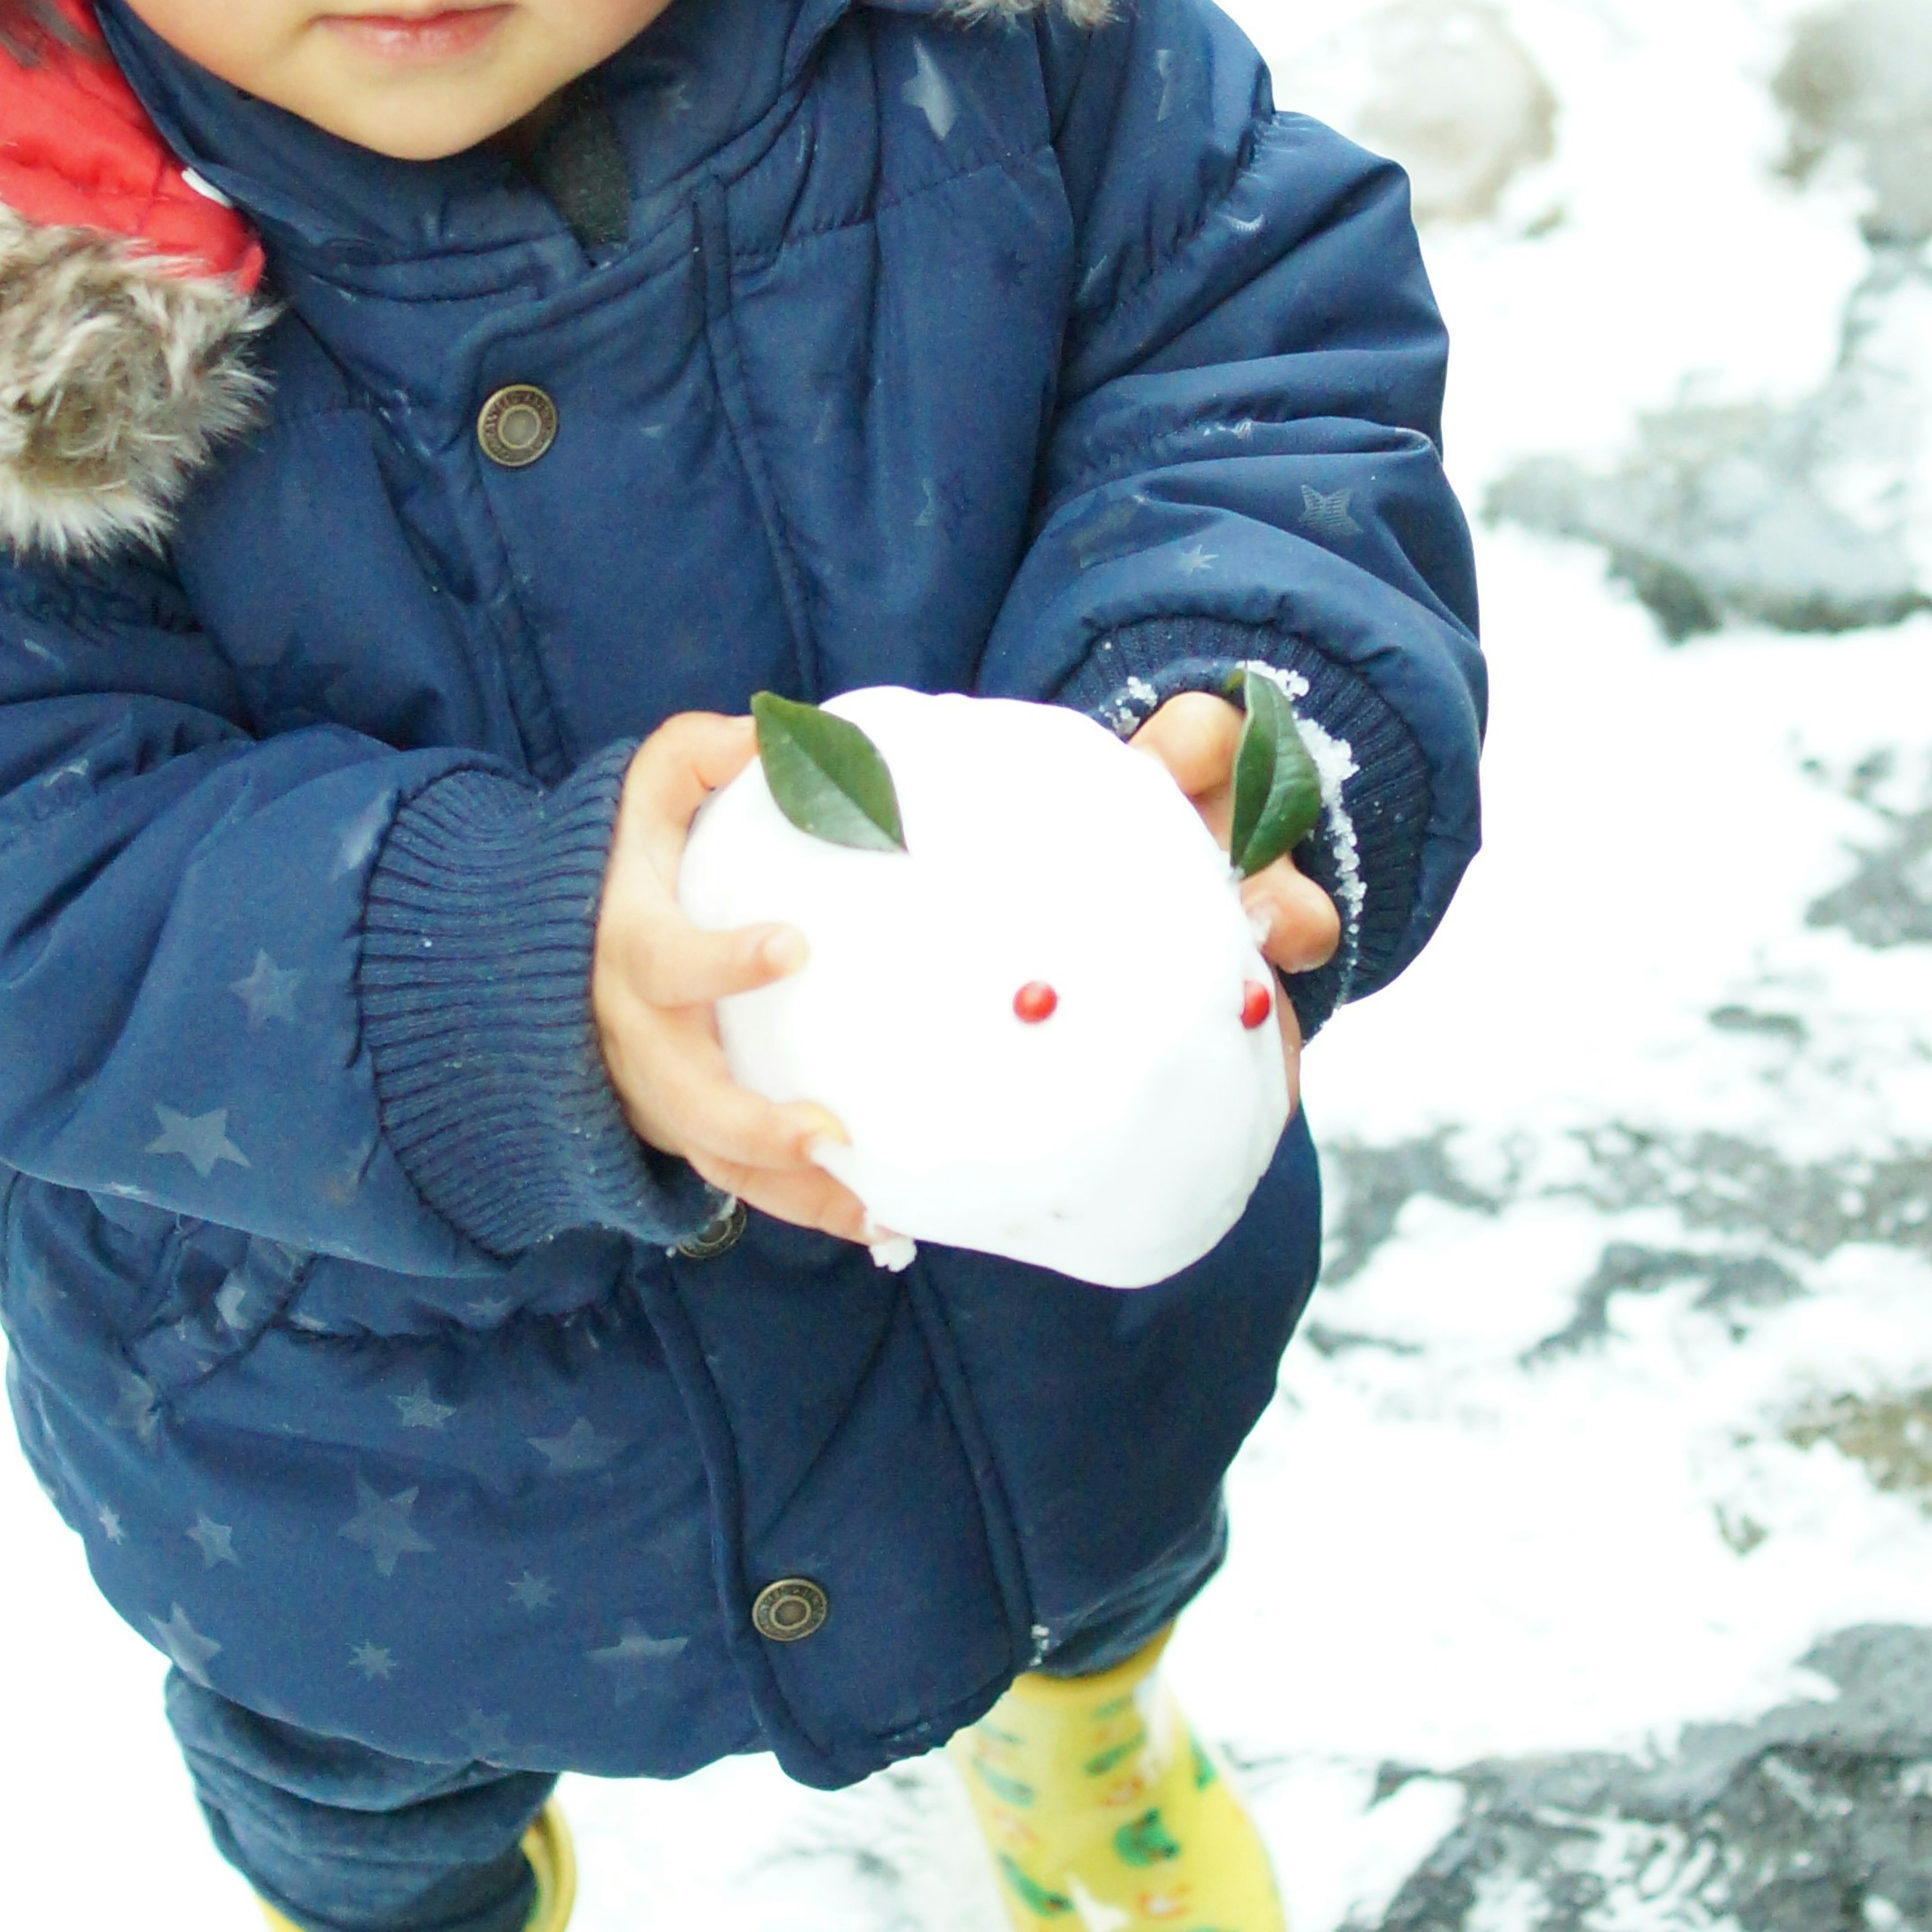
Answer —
(424, 38)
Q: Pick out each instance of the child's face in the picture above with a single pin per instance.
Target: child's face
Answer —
(416, 78)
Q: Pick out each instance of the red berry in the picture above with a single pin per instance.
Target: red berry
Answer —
(1035, 1001)
(1257, 1003)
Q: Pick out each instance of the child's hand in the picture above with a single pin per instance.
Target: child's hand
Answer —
(656, 977)
(1194, 736)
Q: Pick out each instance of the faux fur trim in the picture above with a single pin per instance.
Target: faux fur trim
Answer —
(1082, 13)
(117, 378)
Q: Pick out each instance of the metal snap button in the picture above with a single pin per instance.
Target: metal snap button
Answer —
(790, 1610)
(516, 425)
(716, 1237)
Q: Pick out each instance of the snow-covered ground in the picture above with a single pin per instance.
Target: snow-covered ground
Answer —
(1583, 1572)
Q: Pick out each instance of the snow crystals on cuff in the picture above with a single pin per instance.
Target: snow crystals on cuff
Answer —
(1335, 764)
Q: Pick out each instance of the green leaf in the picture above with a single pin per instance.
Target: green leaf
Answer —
(827, 777)
(1145, 1842)
(1277, 790)
(1039, 1899)
(1103, 1761)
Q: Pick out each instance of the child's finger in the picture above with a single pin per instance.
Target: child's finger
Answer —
(809, 1198)
(1301, 928)
(1196, 736)
(676, 769)
(683, 761)
(706, 1113)
(670, 962)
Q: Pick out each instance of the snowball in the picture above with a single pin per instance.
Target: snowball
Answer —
(1116, 1141)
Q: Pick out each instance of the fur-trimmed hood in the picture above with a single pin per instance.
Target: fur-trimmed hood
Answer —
(127, 299)
(125, 306)
(118, 375)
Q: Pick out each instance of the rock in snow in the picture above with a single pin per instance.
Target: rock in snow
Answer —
(1812, 517)
(1116, 1140)
(1809, 518)
(1859, 75)
(1443, 86)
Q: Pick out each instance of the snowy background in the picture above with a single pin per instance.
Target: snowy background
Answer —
(1583, 1578)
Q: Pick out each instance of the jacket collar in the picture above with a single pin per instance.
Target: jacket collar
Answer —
(704, 74)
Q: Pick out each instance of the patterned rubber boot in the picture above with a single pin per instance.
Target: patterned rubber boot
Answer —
(1104, 1813)
(552, 1857)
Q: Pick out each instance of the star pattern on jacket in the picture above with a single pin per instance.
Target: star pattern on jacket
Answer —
(579, 1449)
(1197, 560)
(190, 1651)
(376, 1663)
(1093, 538)
(420, 1409)
(931, 93)
(633, 1659)
(1327, 516)
(294, 690)
(382, 1526)
(267, 991)
(111, 1526)
(215, 1541)
(533, 1592)
(484, 1736)
(139, 1409)
(200, 1139)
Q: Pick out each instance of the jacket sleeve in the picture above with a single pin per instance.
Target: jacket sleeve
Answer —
(1245, 462)
(305, 985)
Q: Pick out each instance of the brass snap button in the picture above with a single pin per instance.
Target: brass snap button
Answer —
(518, 424)
(716, 1237)
(790, 1610)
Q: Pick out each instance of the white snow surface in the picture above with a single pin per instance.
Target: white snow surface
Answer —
(1117, 1140)
(1450, 1543)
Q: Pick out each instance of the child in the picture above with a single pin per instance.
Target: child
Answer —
(384, 1305)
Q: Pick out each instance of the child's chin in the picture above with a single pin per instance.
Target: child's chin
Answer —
(430, 129)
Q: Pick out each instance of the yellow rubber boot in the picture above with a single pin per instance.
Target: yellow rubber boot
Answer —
(552, 1857)
(1104, 1813)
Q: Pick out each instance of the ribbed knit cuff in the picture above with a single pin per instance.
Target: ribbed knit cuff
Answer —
(1367, 855)
(478, 932)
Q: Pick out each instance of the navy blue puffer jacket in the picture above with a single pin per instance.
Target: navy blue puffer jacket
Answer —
(345, 1322)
